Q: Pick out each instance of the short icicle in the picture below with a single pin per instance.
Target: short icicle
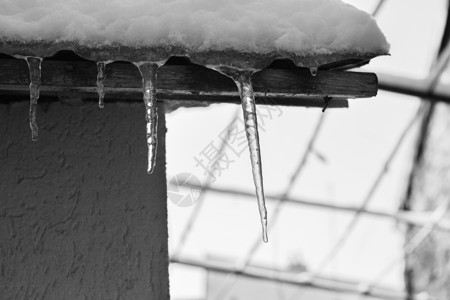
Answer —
(243, 80)
(34, 66)
(148, 71)
(101, 76)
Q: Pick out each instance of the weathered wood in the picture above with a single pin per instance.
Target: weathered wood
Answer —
(192, 82)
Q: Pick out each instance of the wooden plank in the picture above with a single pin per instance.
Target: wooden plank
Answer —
(294, 86)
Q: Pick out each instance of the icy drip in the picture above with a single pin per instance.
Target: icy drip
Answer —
(101, 76)
(148, 71)
(313, 71)
(244, 83)
(34, 65)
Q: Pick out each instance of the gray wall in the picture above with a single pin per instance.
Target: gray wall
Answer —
(79, 216)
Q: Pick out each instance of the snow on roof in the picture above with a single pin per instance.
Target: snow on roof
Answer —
(303, 27)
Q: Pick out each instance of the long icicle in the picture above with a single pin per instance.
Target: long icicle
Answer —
(148, 72)
(244, 82)
(34, 66)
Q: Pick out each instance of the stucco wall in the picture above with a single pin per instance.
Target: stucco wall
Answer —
(79, 216)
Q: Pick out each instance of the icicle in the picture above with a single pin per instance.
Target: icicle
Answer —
(243, 80)
(148, 71)
(100, 83)
(34, 65)
(244, 84)
(313, 71)
(101, 76)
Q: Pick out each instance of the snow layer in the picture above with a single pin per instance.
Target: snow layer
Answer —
(303, 27)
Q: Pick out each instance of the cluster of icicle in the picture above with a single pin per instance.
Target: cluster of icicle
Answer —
(148, 71)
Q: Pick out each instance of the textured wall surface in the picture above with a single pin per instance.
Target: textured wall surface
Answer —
(79, 216)
(430, 262)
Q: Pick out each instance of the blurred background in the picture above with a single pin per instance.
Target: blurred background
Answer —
(356, 198)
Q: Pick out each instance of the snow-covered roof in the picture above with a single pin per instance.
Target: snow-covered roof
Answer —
(298, 27)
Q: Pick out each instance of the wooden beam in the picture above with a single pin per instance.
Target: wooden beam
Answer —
(295, 86)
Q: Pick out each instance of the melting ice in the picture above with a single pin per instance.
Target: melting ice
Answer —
(148, 72)
(242, 78)
(34, 66)
(251, 129)
(101, 76)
